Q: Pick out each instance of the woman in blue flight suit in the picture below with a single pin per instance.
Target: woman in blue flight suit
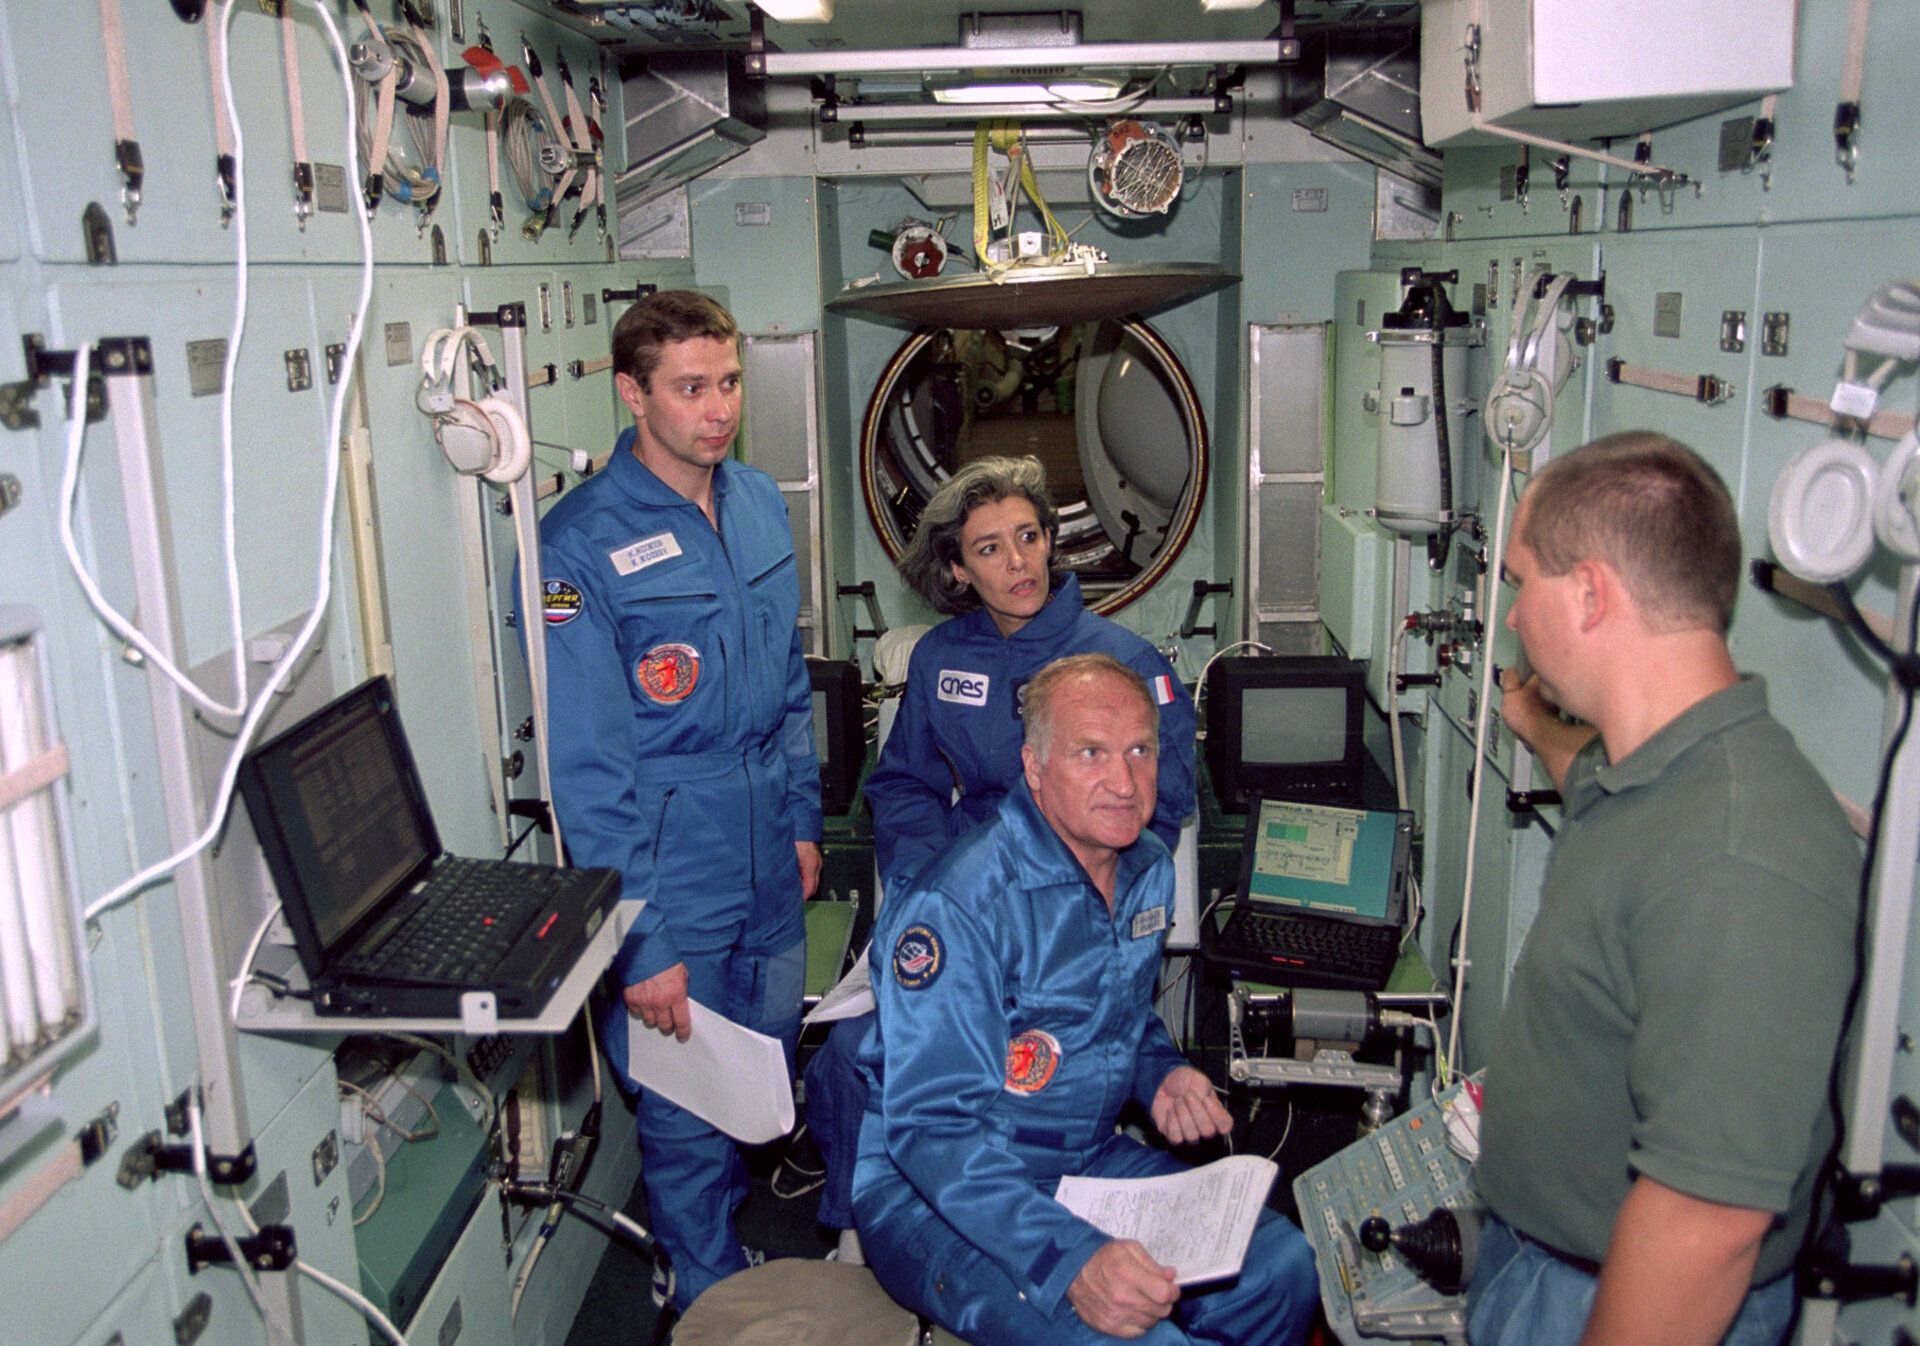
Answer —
(983, 555)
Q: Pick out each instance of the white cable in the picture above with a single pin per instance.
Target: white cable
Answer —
(1495, 560)
(355, 1298)
(411, 177)
(352, 1296)
(245, 974)
(1393, 715)
(380, 1180)
(1200, 687)
(466, 1072)
(323, 579)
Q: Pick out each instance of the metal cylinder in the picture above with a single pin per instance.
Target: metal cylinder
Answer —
(1407, 488)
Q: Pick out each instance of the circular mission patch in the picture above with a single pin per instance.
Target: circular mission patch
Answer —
(668, 673)
(1031, 1060)
(918, 957)
(561, 603)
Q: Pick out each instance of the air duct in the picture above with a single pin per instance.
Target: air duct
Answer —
(1369, 103)
(686, 112)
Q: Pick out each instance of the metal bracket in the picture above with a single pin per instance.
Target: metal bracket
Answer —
(272, 1249)
(1188, 624)
(150, 1156)
(1906, 1120)
(1773, 332)
(119, 355)
(1859, 1196)
(1576, 289)
(1826, 1274)
(1530, 801)
(1733, 330)
(865, 592)
(96, 236)
(507, 315)
(638, 292)
(1846, 136)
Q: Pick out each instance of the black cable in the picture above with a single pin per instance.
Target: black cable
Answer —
(1440, 541)
(1905, 667)
(522, 837)
(537, 1193)
(1830, 1171)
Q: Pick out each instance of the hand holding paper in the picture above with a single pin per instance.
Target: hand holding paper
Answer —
(1198, 1222)
(729, 1077)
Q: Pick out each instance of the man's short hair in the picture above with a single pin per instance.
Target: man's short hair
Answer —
(661, 319)
(1655, 512)
(1036, 704)
(927, 563)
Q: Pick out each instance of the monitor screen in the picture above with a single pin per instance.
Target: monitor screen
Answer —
(1285, 726)
(1293, 724)
(1318, 858)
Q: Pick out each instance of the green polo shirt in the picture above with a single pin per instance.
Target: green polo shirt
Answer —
(1675, 1009)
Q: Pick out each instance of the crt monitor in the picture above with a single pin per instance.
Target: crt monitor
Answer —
(839, 734)
(1286, 726)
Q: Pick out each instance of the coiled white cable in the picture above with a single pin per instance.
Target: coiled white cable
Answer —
(323, 577)
(70, 474)
(412, 171)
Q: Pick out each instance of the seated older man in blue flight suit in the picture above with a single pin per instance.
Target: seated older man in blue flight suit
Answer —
(1015, 1020)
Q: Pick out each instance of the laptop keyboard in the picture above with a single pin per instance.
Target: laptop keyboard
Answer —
(1280, 941)
(473, 912)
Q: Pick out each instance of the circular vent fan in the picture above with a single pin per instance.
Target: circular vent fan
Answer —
(1135, 169)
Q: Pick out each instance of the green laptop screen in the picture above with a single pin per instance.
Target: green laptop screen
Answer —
(1319, 858)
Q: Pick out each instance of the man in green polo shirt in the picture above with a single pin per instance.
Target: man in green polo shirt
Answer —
(1655, 1113)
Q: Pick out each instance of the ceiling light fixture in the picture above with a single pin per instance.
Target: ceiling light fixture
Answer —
(1077, 91)
(797, 11)
(1218, 6)
(861, 62)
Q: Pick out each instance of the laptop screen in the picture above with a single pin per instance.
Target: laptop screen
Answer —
(1312, 857)
(346, 815)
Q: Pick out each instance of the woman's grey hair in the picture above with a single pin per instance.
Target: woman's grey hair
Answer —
(928, 562)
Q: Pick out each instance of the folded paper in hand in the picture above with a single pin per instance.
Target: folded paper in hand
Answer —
(730, 1077)
(1198, 1222)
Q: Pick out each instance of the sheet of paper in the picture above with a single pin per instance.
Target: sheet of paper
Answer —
(1198, 1222)
(730, 1077)
(851, 995)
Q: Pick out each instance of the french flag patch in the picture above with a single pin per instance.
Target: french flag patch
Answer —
(1163, 690)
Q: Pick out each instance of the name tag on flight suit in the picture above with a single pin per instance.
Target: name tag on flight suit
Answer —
(1149, 922)
(647, 551)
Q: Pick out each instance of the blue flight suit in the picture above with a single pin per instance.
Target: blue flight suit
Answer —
(1015, 1019)
(681, 719)
(959, 724)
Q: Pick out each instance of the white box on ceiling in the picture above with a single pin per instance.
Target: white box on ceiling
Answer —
(1592, 69)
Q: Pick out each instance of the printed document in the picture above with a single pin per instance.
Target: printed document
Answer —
(850, 996)
(1198, 1222)
(730, 1077)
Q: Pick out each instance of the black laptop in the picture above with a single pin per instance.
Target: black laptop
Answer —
(385, 923)
(1322, 900)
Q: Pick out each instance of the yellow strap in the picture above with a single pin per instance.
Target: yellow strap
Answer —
(981, 225)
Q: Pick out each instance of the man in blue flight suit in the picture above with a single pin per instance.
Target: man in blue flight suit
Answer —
(1015, 1020)
(682, 736)
(983, 554)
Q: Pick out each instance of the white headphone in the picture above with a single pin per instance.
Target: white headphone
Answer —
(487, 438)
(1519, 408)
